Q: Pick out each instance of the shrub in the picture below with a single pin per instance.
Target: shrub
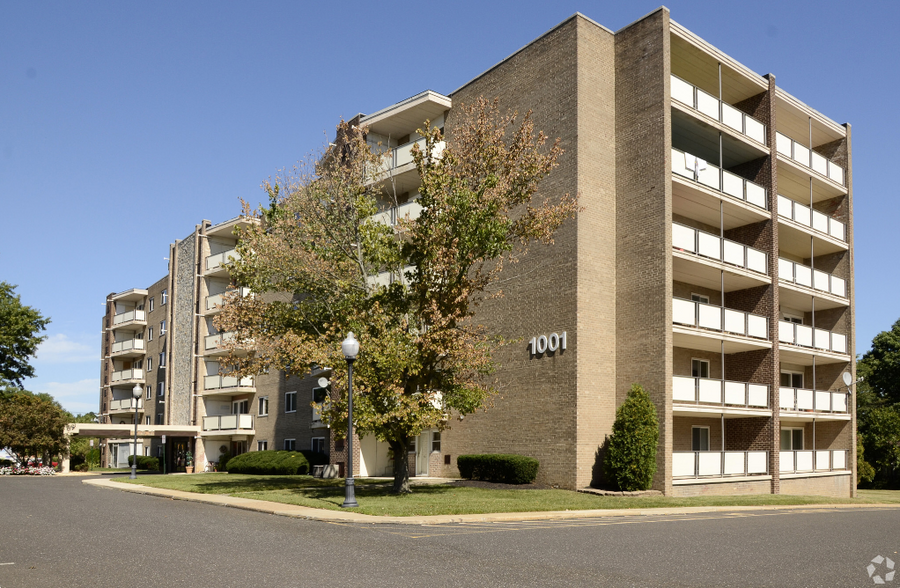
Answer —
(224, 458)
(491, 467)
(271, 462)
(631, 458)
(144, 462)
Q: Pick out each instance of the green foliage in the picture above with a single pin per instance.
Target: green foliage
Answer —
(631, 458)
(880, 366)
(878, 408)
(291, 463)
(224, 458)
(144, 462)
(865, 473)
(32, 424)
(19, 326)
(504, 468)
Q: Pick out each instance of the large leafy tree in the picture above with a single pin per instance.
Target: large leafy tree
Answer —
(878, 405)
(32, 424)
(322, 260)
(19, 338)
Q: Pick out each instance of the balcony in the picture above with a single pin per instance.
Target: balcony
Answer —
(811, 461)
(800, 400)
(800, 283)
(219, 384)
(830, 230)
(128, 376)
(132, 318)
(808, 158)
(214, 344)
(691, 167)
(216, 264)
(398, 165)
(704, 393)
(722, 112)
(719, 464)
(815, 340)
(708, 325)
(128, 348)
(214, 303)
(229, 422)
(749, 266)
(126, 405)
(406, 211)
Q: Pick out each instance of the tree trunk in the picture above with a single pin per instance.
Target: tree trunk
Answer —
(401, 466)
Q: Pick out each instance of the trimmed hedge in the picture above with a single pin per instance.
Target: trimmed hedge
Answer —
(504, 468)
(289, 463)
(145, 462)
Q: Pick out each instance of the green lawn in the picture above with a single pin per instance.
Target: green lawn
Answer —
(375, 498)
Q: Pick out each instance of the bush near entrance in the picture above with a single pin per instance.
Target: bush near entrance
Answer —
(145, 462)
(506, 469)
(270, 462)
(631, 458)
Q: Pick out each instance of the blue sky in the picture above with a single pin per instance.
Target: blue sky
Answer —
(122, 125)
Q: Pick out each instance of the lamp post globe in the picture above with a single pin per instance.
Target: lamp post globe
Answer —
(350, 348)
(136, 392)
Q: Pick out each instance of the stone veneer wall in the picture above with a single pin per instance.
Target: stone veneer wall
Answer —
(181, 386)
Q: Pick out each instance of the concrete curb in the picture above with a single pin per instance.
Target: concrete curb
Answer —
(339, 516)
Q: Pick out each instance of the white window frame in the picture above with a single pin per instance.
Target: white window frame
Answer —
(701, 428)
(702, 361)
(162, 359)
(292, 402)
(162, 327)
(317, 413)
(293, 444)
(262, 445)
(262, 400)
(792, 374)
(237, 405)
(152, 304)
(159, 417)
(165, 297)
(149, 333)
(161, 390)
(149, 392)
(701, 298)
(802, 438)
(791, 317)
(149, 364)
(312, 444)
(436, 438)
(147, 420)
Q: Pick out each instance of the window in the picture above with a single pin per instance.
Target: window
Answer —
(165, 297)
(699, 438)
(147, 448)
(160, 389)
(792, 318)
(262, 445)
(162, 359)
(791, 439)
(700, 368)
(263, 406)
(149, 333)
(149, 392)
(290, 444)
(700, 298)
(159, 418)
(152, 305)
(147, 420)
(436, 441)
(411, 444)
(240, 407)
(139, 364)
(791, 379)
(149, 364)
(162, 328)
(318, 444)
(319, 395)
(290, 402)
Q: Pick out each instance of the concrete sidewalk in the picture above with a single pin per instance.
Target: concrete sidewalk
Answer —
(344, 516)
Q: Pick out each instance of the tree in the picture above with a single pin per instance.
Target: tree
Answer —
(878, 405)
(880, 366)
(32, 425)
(19, 326)
(631, 457)
(319, 256)
(865, 473)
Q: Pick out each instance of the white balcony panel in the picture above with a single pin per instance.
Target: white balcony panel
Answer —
(734, 322)
(823, 460)
(383, 218)
(838, 286)
(707, 104)
(709, 176)
(820, 281)
(822, 339)
(710, 463)
(819, 164)
(838, 343)
(682, 91)
(801, 153)
(783, 144)
(734, 462)
(679, 164)
(683, 389)
(755, 129)
(732, 184)
(836, 229)
(839, 460)
(785, 207)
(757, 326)
(683, 312)
(823, 401)
(819, 221)
(408, 211)
(786, 398)
(683, 238)
(785, 269)
(785, 332)
(804, 399)
(756, 194)
(733, 253)
(804, 275)
(735, 393)
(710, 391)
(803, 335)
(802, 214)
(839, 402)
(836, 173)
(757, 462)
(682, 464)
(786, 461)
(732, 117)
(757, 395)
(710, 317)
(756, 260)
(804, 461)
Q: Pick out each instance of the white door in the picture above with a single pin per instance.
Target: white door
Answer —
(423, 448)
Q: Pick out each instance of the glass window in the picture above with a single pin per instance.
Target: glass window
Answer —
(791, 439)
(699, 438)
(263, 406)
(262, 445)
(150, 393)
(165, 297)
(290, 444)
(162, 327)
(290, 402)
(700, 368)
(152, 306)
(162, 359)
(318, 444)
(160, 388)
(149, 333)
(149, 364)
(436, 441)
(700, 298)
(791, 379)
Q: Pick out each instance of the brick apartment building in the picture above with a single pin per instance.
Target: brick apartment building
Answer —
(712, 264)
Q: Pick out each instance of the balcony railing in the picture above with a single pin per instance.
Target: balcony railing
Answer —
(220, 259)
(217, 382)
(709, 245)
(127, 317)
(706, 391)
(126, 404)
(813, 219)
(228, 422)
(716, 109)
(798, 399)
(219, 299)
(719, 464)
(812, 461)
(802, 275)
(393, 215)
(127, 375)
(808, 158)
(213, 341)
(686, 165)
(805, 336)
(128, 345)
(717, 318)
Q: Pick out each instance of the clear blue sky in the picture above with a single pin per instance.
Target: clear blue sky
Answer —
(124, 124)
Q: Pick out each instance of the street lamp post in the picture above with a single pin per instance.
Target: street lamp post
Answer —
(136, 392)
(350, 347)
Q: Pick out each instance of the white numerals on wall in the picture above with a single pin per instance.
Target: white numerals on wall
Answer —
(551, 342)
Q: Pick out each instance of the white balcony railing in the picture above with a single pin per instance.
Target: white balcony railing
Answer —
(228, 422)
(718, 392)
(220, 259)
(127, 375)
(393, 215)
(719, 464)
(798, 399)
(813, 219)
(812, 461)
(219, 299)
(126, 404)
(808, 158)
(708, 245)
(217, 382)
(689, 166)
(213, 341)
(805, 336)
(716, 109)
(717, 318)
(128, 345)
(803, 275)
(127, 317)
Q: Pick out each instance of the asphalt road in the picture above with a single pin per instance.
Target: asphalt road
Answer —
(59, 532)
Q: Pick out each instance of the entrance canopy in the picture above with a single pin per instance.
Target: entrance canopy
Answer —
(127, 430)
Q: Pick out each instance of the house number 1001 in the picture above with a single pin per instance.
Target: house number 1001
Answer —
(548, 343)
